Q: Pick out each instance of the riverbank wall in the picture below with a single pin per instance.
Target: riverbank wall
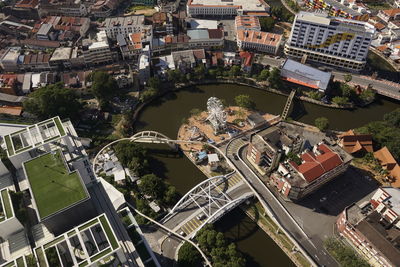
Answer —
(244, 82)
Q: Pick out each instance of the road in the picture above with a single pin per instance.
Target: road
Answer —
(383, 87)
(312, 244)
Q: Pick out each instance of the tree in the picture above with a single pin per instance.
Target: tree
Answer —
(244, 101)
(346, 90)
(264, 74)
(275, 78)
(340, 100)
(393, 118)
(53, 100)
(367, 95)
(322, 123)
(154, 83)
(133, 156)
(315, 95)
(213, 73)
(152, 186)
(188, 256)
(103, 87)
(200, 72)
(147, 94)
(234, 71)
(171, 196)
(173, 76)
(347, 77)
(267, 24)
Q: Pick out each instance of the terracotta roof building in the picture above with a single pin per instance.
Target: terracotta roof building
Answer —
(385, 158)
(389, 14)
(247, 23)
(394, 176)
(320, 161)
(355, 143)
(258, 41)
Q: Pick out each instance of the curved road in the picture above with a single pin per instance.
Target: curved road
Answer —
(313, 246)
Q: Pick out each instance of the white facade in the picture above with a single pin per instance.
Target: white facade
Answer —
(98, 52)
(226, 8)
(330, 40)
(123, 26)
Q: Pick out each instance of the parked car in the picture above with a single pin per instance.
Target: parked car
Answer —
(235, 156)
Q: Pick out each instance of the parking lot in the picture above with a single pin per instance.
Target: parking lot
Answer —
(338, 194)
(318, 212)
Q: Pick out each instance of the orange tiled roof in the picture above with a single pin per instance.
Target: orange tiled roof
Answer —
(266, 38)
(386, 158)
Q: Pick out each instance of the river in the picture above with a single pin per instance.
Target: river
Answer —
(165, 115)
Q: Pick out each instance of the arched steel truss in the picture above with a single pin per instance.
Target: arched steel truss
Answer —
(152, 137)
(209, 196)
(223, 210)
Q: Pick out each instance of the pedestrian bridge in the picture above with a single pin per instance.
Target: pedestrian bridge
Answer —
(207, 202)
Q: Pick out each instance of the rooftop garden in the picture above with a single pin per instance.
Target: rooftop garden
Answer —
(6, 211)
(53, 186)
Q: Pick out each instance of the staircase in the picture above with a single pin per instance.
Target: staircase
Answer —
(288, 104)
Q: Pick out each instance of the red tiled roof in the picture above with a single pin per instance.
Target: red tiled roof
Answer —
(314, 166)
(311, 170)
(215, 33)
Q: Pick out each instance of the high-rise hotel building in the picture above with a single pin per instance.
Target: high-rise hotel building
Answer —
(334, 41)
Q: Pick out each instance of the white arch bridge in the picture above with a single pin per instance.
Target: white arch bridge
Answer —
(206, 202)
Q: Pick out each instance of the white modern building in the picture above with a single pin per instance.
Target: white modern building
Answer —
(97, 52)
(259, 41)
(122, 25)
(214, 8)
(334, 41)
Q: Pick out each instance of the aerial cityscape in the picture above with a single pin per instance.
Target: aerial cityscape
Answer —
(199, 133)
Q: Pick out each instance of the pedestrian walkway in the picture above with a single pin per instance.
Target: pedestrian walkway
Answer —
(191, 226)
(234, 146)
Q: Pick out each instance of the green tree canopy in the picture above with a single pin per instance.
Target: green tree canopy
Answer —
(154, 83)
(393, 118)
(188, 256)
(340, 100)
(147, 94)
(322, 123)
(235, 71)
(53, 100)
(214, 244)
(152, 186)
(200, 72)
(267, 23)
(244, 101)
(263, 76)
(133, 156)
(275, 78)
(104, 86)
(348, 77)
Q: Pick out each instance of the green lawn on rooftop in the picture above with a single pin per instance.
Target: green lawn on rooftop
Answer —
(52, 186)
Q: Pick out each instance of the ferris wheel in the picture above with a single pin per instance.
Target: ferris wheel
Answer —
(216, 114)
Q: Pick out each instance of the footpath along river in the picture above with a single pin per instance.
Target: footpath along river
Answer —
(165, 115)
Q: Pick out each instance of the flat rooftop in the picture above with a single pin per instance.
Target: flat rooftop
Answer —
(92, 242)
(53, 186)
(303, 74)
(248, 5)
(34, 136)
(323, 18)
